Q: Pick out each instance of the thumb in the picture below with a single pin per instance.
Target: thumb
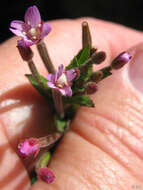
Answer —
(104, 148)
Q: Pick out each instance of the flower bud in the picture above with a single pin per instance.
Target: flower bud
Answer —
(91, 88)
(98, 57)
(121, 60)
(29, 147)
(96, 76)
(46, 175)
(25, 51)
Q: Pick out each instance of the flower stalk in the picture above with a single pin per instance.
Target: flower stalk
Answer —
(45, 56)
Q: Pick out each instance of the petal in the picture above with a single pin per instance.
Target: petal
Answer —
(32, 16)
(66, 91)
(51, 78)
(45, 30)
(70, 74)
(16, 32)
(59, 72)
(51, 85)
(62, 91)
(17, 24)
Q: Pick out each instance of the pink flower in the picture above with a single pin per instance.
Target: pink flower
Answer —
(29, 147)
(33, 29)
(61, 80)
(46, 175)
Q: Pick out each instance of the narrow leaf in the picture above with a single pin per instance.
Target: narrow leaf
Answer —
(43, 89)
(79, 59)
(84, 56)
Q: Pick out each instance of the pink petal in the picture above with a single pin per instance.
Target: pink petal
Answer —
(59, 72)
(51, 78)
(16, 32)
(45, 30)
(70, 74)
(66, 91)
(32, 16)
(17, 24)
(51, 85)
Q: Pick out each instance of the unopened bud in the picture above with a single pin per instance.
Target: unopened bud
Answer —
(25, 51)
(98, 57)
(91, 88)
(121, 60)
(45, 174)
(96, 76)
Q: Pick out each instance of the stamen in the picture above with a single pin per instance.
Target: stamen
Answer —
(62, 81)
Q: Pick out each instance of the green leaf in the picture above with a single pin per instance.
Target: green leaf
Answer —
(79, 59)
(73, 64)
(84, 56)
(106, 72)
(33, 177)
(44, 90)
(81, 100)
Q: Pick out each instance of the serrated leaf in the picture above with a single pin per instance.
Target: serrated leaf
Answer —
(81, 100)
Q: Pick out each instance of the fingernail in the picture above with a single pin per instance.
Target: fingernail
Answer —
(135, 66)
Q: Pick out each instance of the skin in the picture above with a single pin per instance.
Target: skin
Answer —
(103, 149)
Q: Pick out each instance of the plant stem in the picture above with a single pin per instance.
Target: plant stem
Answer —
(45, 57)
(49, 66)
(58, 103)
(34, 70)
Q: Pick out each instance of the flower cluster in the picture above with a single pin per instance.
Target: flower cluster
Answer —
(65, 89)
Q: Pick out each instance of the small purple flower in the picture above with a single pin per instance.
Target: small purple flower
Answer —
(61, 80)
(46, 175)
(29, 147)
(33, 29)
